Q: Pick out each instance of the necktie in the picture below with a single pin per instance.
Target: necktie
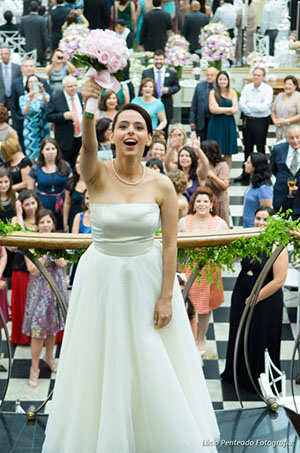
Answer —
(6, 80)
(158, 84)
(76, 117)
(294, 163)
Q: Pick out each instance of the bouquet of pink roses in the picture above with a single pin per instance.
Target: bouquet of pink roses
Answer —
(106, 55)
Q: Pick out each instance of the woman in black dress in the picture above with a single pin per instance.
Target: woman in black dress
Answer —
(265, 329)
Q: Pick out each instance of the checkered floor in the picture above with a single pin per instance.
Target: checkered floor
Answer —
(222, 394)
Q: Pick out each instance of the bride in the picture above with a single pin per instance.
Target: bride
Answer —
(130, 377)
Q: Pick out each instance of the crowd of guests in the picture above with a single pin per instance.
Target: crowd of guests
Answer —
(42, 26)
(41, 187)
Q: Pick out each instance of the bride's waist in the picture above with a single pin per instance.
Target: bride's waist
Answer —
(128, 248)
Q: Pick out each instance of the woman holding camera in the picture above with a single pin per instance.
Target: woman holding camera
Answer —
(58, 69)
(33, 105)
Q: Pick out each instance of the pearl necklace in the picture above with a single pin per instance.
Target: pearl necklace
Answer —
(127, 182)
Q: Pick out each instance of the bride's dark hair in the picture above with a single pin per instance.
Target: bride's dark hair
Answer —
(142, 112)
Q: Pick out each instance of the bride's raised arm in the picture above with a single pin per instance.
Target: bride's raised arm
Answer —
(92, 169)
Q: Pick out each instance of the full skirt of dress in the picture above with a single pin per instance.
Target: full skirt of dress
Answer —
(123, 386)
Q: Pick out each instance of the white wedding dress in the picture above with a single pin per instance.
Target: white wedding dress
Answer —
(122, 386)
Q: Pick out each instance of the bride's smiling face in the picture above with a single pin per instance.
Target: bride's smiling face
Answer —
(130, 134)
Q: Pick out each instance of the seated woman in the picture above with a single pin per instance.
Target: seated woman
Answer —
(153, 106)
(16, 163)
(260, 191)
(266, 323)
(103, 131)
(43, 317)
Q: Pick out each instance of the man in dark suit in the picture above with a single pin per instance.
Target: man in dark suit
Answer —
(166, 81)
(65, 110)
(199, 113)
(8, 26)
(285, 164)
(8, 72)
(34, 28)
(17, 90)
(58, 16)
(192, 26)
(97, 13)
(156, 27)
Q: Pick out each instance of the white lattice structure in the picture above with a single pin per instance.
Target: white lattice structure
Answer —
(261, 44)
(15, 42)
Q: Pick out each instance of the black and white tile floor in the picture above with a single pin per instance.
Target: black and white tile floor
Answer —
(222, 394)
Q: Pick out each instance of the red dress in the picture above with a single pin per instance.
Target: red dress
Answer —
(19, 284)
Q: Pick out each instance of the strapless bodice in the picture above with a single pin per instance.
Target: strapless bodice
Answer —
(124, 229)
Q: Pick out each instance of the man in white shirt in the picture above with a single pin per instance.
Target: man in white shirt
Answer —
(65, 111)
(255, 105)
(226, 14)
(270, 20)
(285, 164)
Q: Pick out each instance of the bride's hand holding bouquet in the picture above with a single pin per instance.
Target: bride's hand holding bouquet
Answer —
(106, 56)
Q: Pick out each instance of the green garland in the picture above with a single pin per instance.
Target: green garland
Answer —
(223, 256)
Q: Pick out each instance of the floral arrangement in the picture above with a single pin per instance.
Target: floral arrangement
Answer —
(212, 29)
(71, 40)
(177, 54)
(218, 47)
(255, 61)
(106, 56)
(215, 43)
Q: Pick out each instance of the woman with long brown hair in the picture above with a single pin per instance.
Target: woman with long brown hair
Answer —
(50, 175)
(223, 104)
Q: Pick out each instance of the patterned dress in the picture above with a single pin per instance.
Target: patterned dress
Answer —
(35, 126)
(43, 315)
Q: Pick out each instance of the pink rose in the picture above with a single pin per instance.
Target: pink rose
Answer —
(103, 58)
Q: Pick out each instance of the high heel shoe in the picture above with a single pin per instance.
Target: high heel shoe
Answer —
(51, 364)
(33, 378)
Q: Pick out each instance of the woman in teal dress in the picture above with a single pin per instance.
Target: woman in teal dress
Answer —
(141, 9)
(125, 9)
(223, 104)
(33, 106)
(153, 106)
